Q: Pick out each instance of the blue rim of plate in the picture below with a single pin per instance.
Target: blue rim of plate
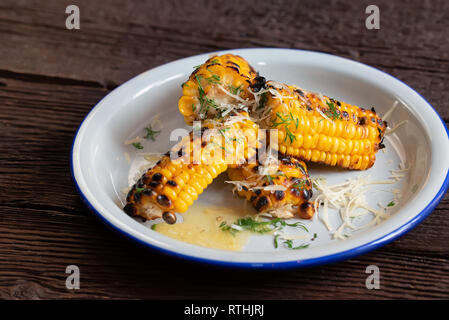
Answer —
(340, 256)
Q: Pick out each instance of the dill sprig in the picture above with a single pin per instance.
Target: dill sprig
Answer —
(252, 225)
(263, 100)
(235, 90)
(301, 184)
(391, 204)
(205, 102)
(286, 120)
(137, 145)
(264, 227)
(332, 111)
(289, 244)
(213, 79)
(150, 133)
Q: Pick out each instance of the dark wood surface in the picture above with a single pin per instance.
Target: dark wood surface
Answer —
(50, 77)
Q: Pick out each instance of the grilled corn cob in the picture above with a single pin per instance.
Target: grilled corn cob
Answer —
(316, 128)
(282, 190)
(220, 85)
(181, 176)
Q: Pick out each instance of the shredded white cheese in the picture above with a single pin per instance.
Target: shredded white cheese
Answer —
(386, 115)
(349, 198)
(390, 131)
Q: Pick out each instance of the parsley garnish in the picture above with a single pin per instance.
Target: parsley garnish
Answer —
(137, 145)
(391, 204)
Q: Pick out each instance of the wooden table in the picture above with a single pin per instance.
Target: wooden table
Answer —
(50, 78)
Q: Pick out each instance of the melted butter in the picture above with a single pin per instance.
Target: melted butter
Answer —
(201, 226)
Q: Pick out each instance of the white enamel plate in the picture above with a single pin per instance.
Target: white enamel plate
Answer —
(102, 164)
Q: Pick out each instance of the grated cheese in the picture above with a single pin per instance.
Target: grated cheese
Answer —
(349, 198)
(389, 112)
(390, 131)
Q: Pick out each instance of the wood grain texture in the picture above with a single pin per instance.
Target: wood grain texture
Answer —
(51, 77)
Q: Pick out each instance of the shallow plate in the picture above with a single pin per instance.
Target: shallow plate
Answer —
(102, 165)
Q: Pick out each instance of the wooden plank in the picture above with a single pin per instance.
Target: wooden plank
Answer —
(111, 267)
(51, 77)
(117, 42)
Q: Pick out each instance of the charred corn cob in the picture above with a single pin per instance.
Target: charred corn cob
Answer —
(220, 85)
(316, 128)
(282, 190)
(182, 174)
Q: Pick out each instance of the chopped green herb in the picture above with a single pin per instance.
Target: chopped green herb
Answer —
(263, 100)
(332, 112)
(193, 107)
(213, 79)
(391, 204)
(301, 184)
(225, 227)
(263, 226)
(151, 134)
(269, 178)
(289, 134)
(137, 145)
(197, 67)
(153, 227)
(289, 244)
(234, 90)
(205, 102)
(276, 241)
(215, 61)
(286, 121)
(139, 190)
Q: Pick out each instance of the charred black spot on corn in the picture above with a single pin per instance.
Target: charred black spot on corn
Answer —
(172, 183)
(279, 195)
(300, 92)
(262, 203)
(129, 209)
(295, 192)
(169, 217)
(306, 210)
(307, 194)
(163, 200)
(258, 84)
(154, 184)
(157, 177)
(233, 68)
(235, 65)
